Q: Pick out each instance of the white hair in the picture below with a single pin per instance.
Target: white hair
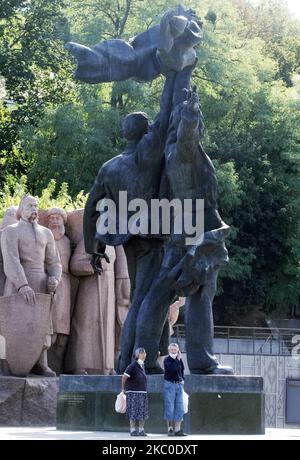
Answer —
(173, 345)
(60, 211)
(138, 351)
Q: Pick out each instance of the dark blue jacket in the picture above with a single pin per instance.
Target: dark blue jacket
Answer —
(137, 380)
(174, 369)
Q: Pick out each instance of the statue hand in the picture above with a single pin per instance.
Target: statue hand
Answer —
(96, 262)
(52, 284)
(28, 294)
(193, 100)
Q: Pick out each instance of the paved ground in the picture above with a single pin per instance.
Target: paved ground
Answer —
(50, 433)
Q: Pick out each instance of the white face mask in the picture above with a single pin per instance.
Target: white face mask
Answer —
(173, 355)
(140, 361)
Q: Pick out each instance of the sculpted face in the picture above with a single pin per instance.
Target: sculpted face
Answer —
(56, 225)
(10, 216)
(29, 209)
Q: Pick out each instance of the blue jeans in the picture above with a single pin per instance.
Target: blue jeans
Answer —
(173, 402)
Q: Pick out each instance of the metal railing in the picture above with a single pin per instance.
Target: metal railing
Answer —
(248, 340)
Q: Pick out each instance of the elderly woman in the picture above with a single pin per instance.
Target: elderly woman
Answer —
(134, 384)
(173, 390)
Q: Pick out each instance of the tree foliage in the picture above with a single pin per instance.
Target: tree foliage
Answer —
(14, 191)
(35, 66)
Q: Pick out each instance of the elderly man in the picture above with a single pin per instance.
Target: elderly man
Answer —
(31, 264)
(61, 313)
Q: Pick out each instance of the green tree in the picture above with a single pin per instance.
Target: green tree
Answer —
(252, 117)
(35, 66)
(13, 191)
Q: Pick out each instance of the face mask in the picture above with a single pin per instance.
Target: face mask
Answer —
(173, 355)
(140, 361)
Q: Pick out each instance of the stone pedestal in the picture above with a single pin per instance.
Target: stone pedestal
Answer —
(28, 401)
(217, 404)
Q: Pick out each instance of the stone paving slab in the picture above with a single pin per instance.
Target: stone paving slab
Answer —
(50, 433)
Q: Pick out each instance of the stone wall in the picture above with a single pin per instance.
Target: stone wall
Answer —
(218, 404)
(28, 401)
(274, 370)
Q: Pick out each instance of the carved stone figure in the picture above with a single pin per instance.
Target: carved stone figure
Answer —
(167, 331)
(174, 313)
(31, 265)
(61, 309)
(100, 310)
(2, 274)
(9, 218)
(23, 328)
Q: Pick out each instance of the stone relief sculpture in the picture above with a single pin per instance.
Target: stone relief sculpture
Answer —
(32, 267)
(174, 313)
(9, 218)
(61, 308)
(100, 310)
(167, 331)
(101, 307)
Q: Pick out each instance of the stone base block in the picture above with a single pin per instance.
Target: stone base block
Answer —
(217, 404)
(28, 401)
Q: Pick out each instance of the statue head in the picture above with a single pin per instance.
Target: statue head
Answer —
(134, 126)
(28, 209)
(57, 218)
(10, 216)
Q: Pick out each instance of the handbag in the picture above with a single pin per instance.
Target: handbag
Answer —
(185, 400)
(120, 404)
